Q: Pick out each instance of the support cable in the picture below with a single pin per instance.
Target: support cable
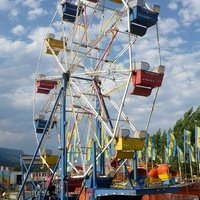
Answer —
(156, 95)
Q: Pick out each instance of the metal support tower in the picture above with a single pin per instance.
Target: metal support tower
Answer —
(63, 164)
(101, 161)
(40, 143)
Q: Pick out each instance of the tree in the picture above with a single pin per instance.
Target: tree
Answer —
(188, 122)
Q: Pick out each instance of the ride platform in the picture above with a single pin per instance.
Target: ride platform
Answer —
(126, 194)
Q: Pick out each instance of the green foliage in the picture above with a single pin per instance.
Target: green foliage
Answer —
(158, 144)
(188, 122)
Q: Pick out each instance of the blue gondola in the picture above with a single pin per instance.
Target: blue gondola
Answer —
(40, 125)
(137, 30)
(143, 16)
(69, 12)
(140, 19)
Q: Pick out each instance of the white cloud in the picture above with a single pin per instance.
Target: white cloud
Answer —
(173, 6)
(17, 140)
(37, 37)
(37, 12)
(14, 12)
(38, 34)
(34, 8)
(174, 42)
(168, 26)
(22, 50)
(21, 97)
(18, 30)
(9, 48)
(30, 3)
(5, 5)
(179, 91)
(188, 11)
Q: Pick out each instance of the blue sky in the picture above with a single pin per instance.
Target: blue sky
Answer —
(22, 27)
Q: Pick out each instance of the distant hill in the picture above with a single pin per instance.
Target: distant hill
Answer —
(10, 157)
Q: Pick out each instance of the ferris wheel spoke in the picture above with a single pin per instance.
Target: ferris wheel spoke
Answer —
(92, 109)
(124, 116)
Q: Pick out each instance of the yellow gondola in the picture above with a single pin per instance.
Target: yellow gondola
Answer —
(125, 146)
(50, 159)
(56, 45)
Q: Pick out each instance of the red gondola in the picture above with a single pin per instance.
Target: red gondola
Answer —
(44, 86)
(94, 1)
(144, 81)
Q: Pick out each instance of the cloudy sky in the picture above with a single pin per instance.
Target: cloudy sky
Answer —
(22, 27)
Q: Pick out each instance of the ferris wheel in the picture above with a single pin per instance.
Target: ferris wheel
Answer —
(85, 78)
(91, 45)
